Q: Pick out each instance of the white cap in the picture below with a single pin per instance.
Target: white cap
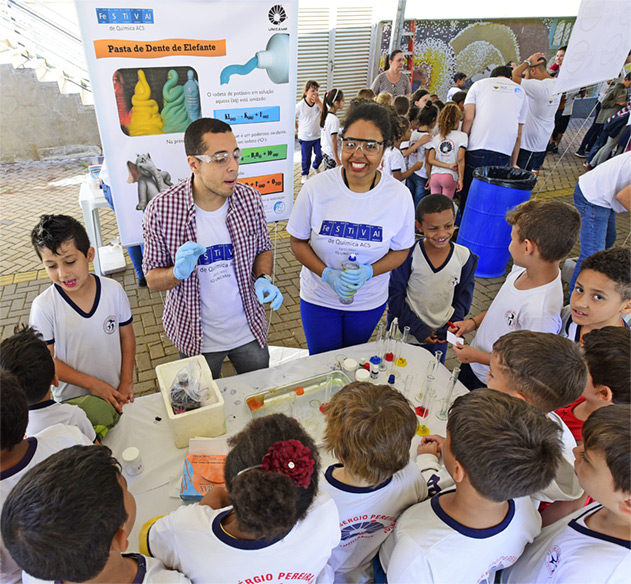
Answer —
(362, 375)
(130, 454)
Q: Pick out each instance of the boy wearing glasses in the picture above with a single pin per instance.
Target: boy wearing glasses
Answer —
(207, 245)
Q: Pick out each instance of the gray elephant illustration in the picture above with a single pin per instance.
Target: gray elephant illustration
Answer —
(151, 180)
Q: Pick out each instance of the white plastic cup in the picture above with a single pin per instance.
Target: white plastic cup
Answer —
(132, 462)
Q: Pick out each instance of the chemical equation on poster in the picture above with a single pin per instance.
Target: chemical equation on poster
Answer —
(248, 115)
(264, 154)
(266, 184)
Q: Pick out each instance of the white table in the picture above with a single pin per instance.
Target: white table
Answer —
(144, 423)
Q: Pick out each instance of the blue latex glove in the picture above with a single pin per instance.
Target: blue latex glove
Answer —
(357, 278)
(334, 279)
(267, 292)
(186, 259)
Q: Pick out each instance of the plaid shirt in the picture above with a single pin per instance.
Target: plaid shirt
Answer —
(168, 222)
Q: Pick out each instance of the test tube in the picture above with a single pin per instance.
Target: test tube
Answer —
(376, 359)
(442, 414)
(399, 359)
(423, 410)
(407, 387)
(428, 373)
(390, 340)
(327, 388)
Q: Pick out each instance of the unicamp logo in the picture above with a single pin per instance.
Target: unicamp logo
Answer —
(277, 15)
(124, 15)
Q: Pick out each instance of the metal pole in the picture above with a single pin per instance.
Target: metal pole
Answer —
(397, 27)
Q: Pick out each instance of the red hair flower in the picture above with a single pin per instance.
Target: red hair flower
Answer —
(292, 459)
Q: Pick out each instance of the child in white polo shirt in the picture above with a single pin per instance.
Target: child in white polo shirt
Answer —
(498, 450)
(26, 355)
(369, 429)
(86, 322)
(592, 544)
(272, 526)
(68, 520)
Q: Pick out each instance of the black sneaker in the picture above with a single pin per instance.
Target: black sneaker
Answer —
(580, 154)
(142, 283)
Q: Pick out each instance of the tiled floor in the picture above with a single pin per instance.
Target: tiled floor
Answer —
(29, 190)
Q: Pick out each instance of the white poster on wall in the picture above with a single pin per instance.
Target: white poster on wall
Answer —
(599, 44)
(155, 70)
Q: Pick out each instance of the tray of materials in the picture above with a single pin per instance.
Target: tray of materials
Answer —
(304, 400)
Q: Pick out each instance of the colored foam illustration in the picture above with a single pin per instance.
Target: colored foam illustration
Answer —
(156, 100)
(274, 59)
(191, 95)
(174, 113)
(145, 119)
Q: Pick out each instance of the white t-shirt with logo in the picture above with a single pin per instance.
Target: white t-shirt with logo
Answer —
(338, 222)
(499, 109)
(452, 91)
(601, 185)
(308, 121)
(329, 133)
(446, 150)
(224, 325)
(86, 341)
(569, 551)
(367, 516)
(537, 309)
(393, 160)
(542, 103)
(419, 154)
(192, 541)
(430, 547)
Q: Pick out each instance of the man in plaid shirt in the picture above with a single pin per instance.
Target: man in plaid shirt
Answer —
(207, 244)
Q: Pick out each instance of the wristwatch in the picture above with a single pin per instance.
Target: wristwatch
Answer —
(266, 277)
(529, 63)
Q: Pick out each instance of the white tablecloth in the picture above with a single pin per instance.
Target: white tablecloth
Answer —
(144, 423)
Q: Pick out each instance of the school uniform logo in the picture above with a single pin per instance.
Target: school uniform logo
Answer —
(446, 146)
(553, 557)
(109, 325)
(362, 528)
(510, 316)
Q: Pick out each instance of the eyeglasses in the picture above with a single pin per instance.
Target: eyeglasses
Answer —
(368, 147)
(220, 157)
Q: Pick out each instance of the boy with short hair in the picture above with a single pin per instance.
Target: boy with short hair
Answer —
(531, 298)
(601, 295)
(498, 450)
(81, 494)
(608, 356)
(434, 285)
(592, 544)
(86, 322)
(369, 429)
(547, 371)
(19, 454)
(26, 355)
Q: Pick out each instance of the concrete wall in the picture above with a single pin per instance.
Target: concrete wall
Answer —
(39, 123)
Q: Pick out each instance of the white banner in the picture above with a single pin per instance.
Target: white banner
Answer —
(155, 70)
(599, 44)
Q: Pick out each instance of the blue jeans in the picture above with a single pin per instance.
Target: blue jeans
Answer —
(246, 358)
(475, 159)
(327, 329)
(306, 147)
(416, 184)
(598, 230)
(134, 251)
(529, 160)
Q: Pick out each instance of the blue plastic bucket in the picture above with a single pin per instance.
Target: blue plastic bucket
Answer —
(484, 230)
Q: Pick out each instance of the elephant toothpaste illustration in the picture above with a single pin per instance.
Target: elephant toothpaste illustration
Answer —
(145, 119)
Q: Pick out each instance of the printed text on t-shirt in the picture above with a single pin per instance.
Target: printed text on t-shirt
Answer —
(359, 231)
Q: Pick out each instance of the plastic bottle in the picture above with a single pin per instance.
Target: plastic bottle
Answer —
(347, 266)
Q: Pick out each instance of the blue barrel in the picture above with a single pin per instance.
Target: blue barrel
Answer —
(484, 230)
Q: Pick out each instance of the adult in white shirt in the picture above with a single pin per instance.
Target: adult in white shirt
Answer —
(355, 210)
(598, 196)
(542, 102)
(494, 113)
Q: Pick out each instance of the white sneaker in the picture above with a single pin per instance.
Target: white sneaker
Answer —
(303, 179)
(316, 170)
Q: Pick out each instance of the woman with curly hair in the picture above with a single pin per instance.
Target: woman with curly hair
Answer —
(266, 524)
